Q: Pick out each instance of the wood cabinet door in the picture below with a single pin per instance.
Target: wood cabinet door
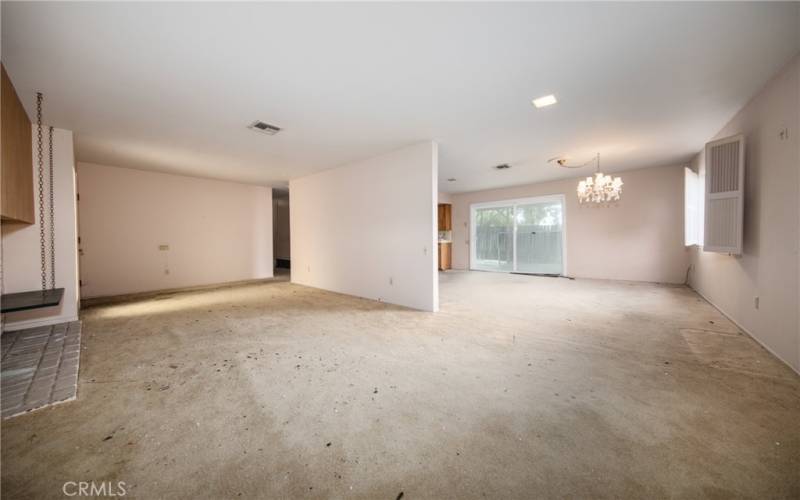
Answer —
(445, 217)
(445, 256)
(16, 157)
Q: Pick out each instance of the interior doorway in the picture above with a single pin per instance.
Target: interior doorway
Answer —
(519, 236)
(281, 244)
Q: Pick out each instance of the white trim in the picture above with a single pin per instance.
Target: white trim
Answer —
(34, 323)
(561, 198)
(514, 240)
(745, 330)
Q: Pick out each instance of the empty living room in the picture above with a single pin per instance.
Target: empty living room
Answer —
(400, 250)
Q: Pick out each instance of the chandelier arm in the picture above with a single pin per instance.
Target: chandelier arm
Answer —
(563, 163)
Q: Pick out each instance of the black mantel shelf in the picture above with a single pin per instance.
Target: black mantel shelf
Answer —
(22, 301)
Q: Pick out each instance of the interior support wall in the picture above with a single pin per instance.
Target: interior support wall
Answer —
(369, 228)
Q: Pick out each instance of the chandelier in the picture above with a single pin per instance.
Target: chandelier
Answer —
(598, 189)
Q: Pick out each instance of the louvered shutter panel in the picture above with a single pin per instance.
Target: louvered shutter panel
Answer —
(724, 214)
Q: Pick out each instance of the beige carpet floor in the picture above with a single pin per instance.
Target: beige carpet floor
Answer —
(521, 387)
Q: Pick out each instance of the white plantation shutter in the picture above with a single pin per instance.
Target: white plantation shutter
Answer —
(724, 208)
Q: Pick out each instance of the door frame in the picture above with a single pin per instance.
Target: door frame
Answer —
(513, 203)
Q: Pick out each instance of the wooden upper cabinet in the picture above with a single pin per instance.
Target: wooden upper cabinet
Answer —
(16, 157)
(445, 217)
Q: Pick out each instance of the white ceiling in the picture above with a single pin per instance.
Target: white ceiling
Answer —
(172, 86)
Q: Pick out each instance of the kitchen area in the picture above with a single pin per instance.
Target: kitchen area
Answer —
(445, 236)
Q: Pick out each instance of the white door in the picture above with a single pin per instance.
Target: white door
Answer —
(525, 236)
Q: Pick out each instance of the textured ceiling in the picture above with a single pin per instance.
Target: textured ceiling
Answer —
(173, 86)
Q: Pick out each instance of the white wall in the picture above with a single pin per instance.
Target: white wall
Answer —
(216, 231)
(639, 239)
(768, 267)
(369, 228)
(21, 257)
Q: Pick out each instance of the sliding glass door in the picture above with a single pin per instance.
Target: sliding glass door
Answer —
(524, 236)
(538, 237)
(494, 245)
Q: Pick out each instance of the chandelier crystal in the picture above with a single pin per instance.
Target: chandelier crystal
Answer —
(600, 189)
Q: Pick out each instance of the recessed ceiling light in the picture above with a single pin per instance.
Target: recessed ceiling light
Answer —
(451, 179)
(545, 101)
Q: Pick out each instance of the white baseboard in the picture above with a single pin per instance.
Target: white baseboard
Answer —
(745, 330)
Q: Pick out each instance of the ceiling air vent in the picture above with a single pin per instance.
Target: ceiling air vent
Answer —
(265, 128)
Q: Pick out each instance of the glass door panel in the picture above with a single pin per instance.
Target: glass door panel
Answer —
(524, 236)
(494, 239)
(538, 237)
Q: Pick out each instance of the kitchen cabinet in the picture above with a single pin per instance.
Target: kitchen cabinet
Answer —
(16, 156)
(445, 217)
(445, 256)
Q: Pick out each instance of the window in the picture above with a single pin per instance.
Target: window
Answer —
(694, 188)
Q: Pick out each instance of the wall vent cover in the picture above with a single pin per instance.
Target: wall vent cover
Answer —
(724, 211)
(264, 128)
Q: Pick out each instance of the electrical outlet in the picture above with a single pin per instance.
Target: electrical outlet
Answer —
(756, 302)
